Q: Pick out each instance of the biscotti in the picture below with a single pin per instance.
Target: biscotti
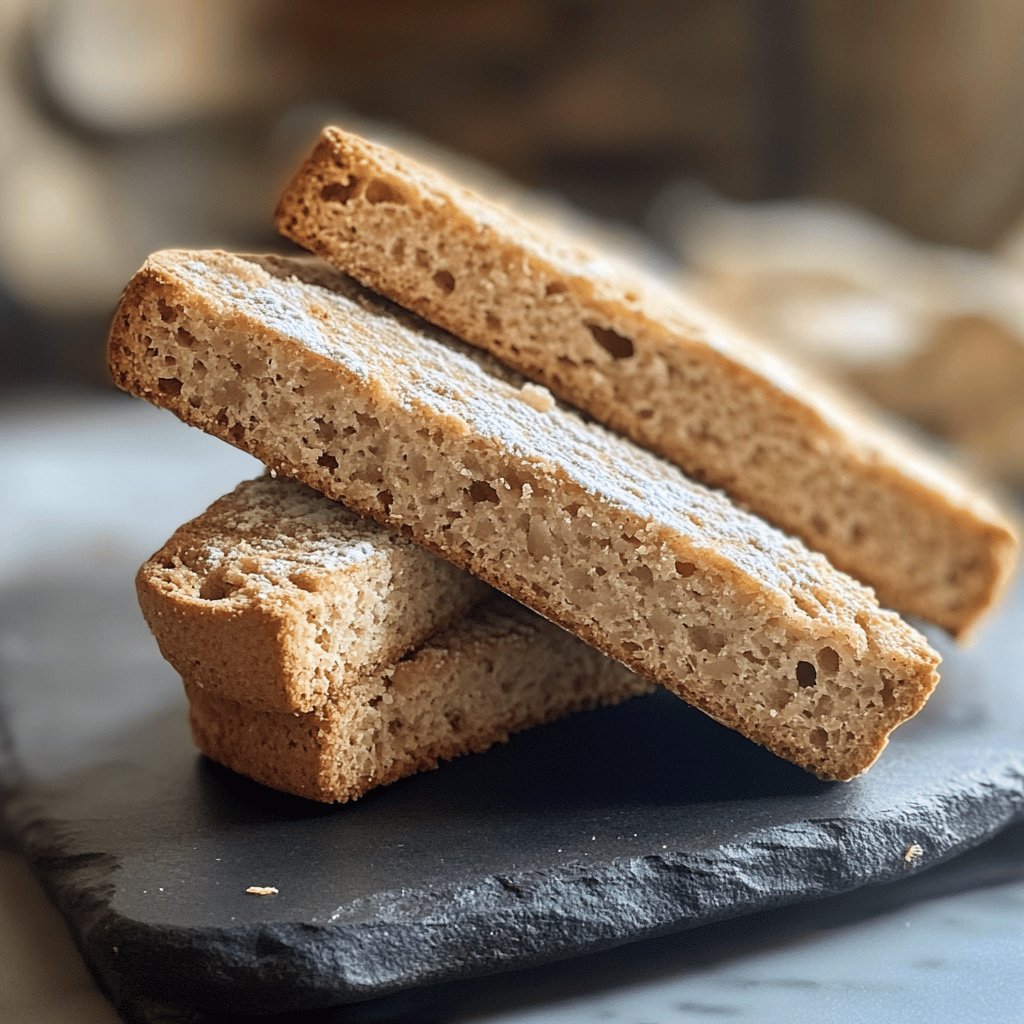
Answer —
(649, 363)
(326, 383)
(499, 670)
(279, 598)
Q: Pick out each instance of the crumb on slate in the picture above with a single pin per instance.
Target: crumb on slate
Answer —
(914, 852)
(262, 890)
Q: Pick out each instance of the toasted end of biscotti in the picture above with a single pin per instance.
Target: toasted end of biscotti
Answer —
(498, 671)
(582, 526)
(277, 597)
(657, 367)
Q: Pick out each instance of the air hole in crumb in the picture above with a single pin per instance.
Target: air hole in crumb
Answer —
(685, 568)
(555, 288)
(328, 462)
(381, 192)
(828, 660)
(806, 673)
(444, 280)
(169, 385)
(386, 499)
(539, 542)
(481, 490)
(643, 574)
(616, 345)
(818, 738)
(338, 192)
(167, 313)
(303, 581)
(398, 250)
(705, 639)
(888, 687)
(324, 429)
(215, 588)
(492, 321)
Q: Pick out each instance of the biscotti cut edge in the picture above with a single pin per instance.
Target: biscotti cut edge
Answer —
(278, 612)
(500, 670)
(165, 322)
(779, 442)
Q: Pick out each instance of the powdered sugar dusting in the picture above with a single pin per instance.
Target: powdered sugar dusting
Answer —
(269, 532)
(427, 371)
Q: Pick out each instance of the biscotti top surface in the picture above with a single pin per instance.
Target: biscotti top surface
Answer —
(399, 360)
(668, 316)
(277, 531)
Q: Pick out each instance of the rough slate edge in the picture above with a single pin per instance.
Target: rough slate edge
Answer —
(574, 890)
(998, 861)
(272, 975)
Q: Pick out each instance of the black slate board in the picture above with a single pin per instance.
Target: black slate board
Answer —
(674, 972)
(609, 827)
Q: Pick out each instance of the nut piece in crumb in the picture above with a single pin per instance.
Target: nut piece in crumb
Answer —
(262, 890)
(537, 396)
(913, 853)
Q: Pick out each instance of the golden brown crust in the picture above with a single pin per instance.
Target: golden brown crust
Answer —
(659, 369)
(590, 531)
(503, 668)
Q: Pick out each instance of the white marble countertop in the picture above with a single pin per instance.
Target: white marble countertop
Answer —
(955, 952)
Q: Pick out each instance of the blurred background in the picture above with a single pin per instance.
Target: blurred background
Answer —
(845, 179)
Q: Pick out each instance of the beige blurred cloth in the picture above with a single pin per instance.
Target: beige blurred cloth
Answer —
(935, 334)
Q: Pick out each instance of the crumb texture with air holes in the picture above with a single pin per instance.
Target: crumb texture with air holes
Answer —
(504, 669)
(583, 526)
(651, 364)
(278, 597)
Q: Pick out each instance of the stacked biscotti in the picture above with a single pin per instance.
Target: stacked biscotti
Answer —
(323, 654)
(324, 672)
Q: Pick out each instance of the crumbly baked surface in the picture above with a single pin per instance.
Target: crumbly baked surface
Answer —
(647, 362)
(500, 669)
(279, 598)
(331, 385)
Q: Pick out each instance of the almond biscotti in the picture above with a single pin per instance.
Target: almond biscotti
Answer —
(279, 598)
(644, 360)
(329, 384)
(498, 670)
